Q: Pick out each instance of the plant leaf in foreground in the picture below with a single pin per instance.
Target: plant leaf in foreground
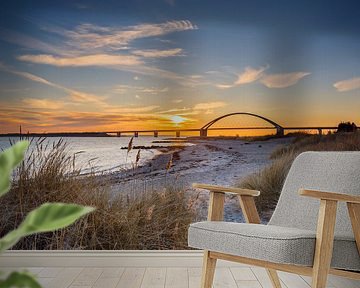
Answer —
(48, 217)
(9, 159)
(19, 279)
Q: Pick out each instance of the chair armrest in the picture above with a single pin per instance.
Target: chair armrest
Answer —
(222, 189)
(322, 195)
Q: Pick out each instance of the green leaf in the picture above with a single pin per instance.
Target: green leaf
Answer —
(48, 217)
(9, 159)
(20, 280)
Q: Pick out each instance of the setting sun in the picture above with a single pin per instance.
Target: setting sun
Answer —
(177, 119)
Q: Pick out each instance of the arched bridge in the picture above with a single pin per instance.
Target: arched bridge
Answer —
(278, 127)
(204, 130)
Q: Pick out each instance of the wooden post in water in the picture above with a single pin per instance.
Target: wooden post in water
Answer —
(156, 134)
(136, 134)
(177, 133)
(118, 134)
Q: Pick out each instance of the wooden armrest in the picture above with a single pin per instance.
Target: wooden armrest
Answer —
(222, 189)
(217, 199)
(330, 196)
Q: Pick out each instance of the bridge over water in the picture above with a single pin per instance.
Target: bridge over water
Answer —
(203, 131)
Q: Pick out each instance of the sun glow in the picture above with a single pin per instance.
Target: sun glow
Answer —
(177, 120)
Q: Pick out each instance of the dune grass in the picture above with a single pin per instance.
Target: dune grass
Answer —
(155, 220)
(270, 179)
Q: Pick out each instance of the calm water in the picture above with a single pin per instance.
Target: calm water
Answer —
(102, 153)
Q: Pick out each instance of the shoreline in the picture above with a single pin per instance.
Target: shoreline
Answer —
(211, 161)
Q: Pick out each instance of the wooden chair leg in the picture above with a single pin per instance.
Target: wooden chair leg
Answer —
(354, 212)
(208, 270)
(274, 278)
(324, 243)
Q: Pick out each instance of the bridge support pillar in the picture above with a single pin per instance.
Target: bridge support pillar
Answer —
(203, 132)
(177, 133)
(136, 134)
(118, 134)
(156, 134)
(279, 131)
(320, 131)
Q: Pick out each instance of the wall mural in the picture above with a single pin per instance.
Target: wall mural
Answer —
(127, 103)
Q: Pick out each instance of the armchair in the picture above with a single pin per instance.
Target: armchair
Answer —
(312, 232)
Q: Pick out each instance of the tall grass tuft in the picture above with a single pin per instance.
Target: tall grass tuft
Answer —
(156, 220)
(270, 179)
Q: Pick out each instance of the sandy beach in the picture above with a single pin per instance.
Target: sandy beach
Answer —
(212, 161)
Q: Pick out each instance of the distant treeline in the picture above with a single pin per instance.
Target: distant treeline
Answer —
(347, 127)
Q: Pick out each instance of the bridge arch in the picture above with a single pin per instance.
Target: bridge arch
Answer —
(278, 127)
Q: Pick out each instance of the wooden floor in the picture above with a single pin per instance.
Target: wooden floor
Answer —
(143, 269)
(167, 277)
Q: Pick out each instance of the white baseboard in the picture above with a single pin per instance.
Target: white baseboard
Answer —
(87, 258)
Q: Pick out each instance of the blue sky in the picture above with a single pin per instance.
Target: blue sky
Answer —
(103, 65)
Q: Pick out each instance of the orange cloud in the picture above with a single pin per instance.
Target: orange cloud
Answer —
(209, 105)
(89, 60)
(72, 121)
(43, 103)
(153, 53)
(83, 97)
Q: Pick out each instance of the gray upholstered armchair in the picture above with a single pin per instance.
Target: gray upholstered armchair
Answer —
(314, 231)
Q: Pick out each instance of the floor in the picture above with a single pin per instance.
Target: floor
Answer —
(167, 277)
(143, 269)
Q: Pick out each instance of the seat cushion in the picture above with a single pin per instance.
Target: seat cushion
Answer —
(270, 243)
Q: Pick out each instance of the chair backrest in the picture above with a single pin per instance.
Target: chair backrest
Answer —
(325, 171)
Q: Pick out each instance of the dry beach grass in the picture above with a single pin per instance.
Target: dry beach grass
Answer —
(270, 179)
(156, 220)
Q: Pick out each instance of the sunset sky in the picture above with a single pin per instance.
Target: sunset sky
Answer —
(114, 65)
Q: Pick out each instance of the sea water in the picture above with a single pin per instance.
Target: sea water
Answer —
(101, 153)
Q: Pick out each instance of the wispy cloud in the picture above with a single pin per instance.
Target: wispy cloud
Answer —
(282, 80)
(224, 86)
(29, 42)
(249, 75)
(89, 60)
(43, 103)
(108, 46)
(122, 89)
(83, 97)
(208, 107)
(153, 90)
(89, 36)
(199, 108)
(123, 109)
(348, 85)
(27, 75)
(75, 95)
(252, 75)
(154, 53)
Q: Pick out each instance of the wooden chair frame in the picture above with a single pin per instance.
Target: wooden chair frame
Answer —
(324, 235)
